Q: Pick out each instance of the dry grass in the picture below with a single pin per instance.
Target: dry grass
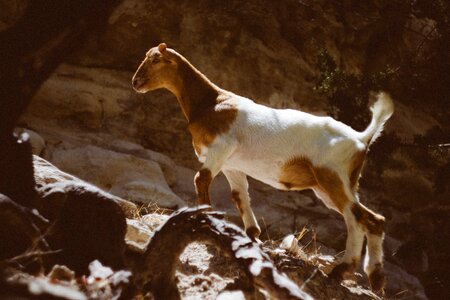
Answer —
(150, 208)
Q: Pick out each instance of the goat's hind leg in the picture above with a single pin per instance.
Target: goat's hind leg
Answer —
(373, 225)
(354, 244)
(335, 192)
(360, 222)
(239, 194)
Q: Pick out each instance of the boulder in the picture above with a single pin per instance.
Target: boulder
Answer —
(154, 221)
(50, 178)
(140, 231)
(123, 175)
(138, 235)
(88, 225)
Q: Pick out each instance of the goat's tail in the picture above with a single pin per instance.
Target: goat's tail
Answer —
(382, 110)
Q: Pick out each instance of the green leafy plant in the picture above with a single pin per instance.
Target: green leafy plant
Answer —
(348, 93)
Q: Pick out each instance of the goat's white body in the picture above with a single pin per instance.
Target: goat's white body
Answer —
(264, 139)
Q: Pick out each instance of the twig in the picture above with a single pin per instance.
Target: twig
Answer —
(265, 229)
(31, 254)
(426, 37)
(313, 274)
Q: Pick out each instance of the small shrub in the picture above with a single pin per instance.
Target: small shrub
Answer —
(347, 93)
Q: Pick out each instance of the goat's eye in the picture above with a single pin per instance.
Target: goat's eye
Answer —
(155, 61)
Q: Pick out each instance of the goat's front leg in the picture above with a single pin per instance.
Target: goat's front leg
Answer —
(239, 194)
(215, 159)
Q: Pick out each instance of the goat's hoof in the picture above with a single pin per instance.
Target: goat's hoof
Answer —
(377, 280)
(208, 209)
(205, 206)
(338, 272)
(253, 233)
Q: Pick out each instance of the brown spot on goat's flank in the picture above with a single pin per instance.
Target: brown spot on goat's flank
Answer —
(374, 223)
(237, 200)
(355, 169)
(202, 182)
(329, 182)
(213, 121)
(297, 174)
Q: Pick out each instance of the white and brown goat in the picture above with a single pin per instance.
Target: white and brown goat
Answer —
(284, 148)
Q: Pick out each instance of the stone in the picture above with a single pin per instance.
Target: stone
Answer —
(153, 221)
(123, 175)
(36, 141)
(138, 235)
(46, 174)
(99, 271)
(88, 225)
(290, 244)
(59, 272)
(88, 222)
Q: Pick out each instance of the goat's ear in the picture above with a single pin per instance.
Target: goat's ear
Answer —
(167, 53)
(162, 47)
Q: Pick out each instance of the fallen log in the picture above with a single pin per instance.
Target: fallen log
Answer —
(155, 273)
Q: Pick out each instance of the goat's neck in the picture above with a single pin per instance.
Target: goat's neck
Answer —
(194, 92)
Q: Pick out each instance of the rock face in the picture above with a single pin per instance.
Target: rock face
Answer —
(50, 180)
(137, 146)
(124, 175)
(122, 168)
(85, 219)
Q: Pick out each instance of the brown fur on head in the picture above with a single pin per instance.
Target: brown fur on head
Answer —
(158, 70)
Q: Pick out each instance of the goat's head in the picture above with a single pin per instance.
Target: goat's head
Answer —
(158, 70)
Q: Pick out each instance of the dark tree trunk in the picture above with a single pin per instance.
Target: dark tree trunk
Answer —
(30, 50)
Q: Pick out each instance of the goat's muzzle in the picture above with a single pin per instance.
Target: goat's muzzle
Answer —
(138, 83)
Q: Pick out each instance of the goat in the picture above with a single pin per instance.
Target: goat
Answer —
(287, 149)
